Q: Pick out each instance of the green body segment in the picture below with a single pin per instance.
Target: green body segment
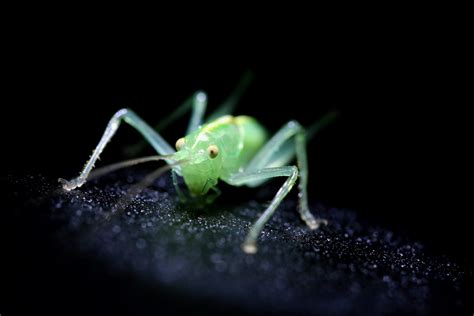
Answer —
(237, 138)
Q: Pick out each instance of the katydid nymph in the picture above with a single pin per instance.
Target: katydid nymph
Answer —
(233, 149)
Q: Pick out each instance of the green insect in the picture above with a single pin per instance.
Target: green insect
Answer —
(234, 149)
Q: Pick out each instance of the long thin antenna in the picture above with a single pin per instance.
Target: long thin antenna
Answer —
(124, 164)
(146, 182)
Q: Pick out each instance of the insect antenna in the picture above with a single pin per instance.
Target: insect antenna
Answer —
(124, 164)
(146, 182)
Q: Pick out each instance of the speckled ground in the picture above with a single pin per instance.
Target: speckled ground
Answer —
(350, 267)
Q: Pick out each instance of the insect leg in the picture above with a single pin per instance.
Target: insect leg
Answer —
(197, 103)
(210, 198)
(199, 108)
(152, 137)
(275, 146)
(229, 105)
(291, 172)
(279, 150)
(181, 195)
(302, 159)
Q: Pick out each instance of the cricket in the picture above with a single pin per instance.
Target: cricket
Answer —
(237, 150)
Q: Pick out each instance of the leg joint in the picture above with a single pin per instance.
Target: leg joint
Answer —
(295, 125)
(294, 171)
(121, 113)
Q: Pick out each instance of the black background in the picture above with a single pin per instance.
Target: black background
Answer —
(396, 154)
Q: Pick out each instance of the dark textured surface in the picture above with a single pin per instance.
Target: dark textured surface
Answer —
(160, 256)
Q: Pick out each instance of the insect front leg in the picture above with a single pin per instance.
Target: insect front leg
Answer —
(197, 103)
(182, 197)
(151, 136)
(242, 178)
(289, 141)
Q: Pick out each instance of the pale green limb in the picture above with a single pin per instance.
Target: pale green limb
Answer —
(278, 150)
(229, 105)
(210, 198)
(197, 103)
(182, 197)
(276, 147)
(302, 158)
(286, 152)
(291, 172)
(151, 136)
(199, 109)
(303, 208)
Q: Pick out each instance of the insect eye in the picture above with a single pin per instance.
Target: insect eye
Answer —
(213, 151)
(180, 143)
